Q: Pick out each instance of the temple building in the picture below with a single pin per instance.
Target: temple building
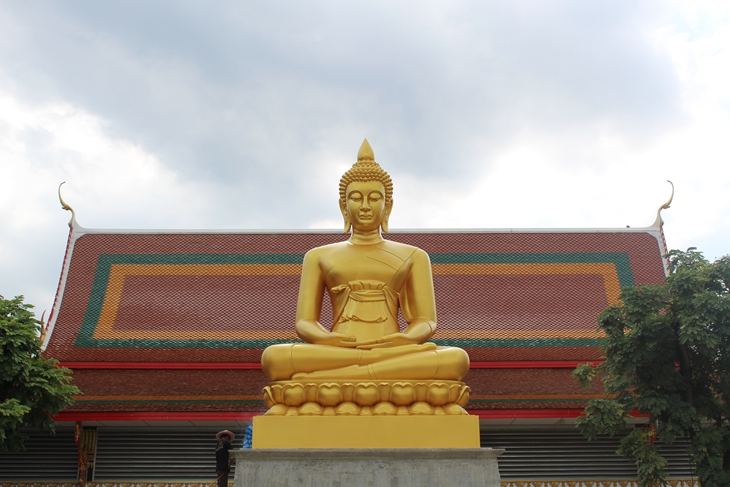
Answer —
(164, 332)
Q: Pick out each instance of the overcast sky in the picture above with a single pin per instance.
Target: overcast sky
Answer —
(243, 115)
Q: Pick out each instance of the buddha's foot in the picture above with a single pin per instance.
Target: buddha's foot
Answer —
(362, 370)
(294, 398)
(384, 353)
(353, 372)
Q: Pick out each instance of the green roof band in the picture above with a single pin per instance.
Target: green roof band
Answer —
(619, 259)
(462, 343)
(107, 260)
(103, 269)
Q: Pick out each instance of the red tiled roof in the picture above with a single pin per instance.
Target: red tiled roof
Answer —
(221, 298)
(240, 390)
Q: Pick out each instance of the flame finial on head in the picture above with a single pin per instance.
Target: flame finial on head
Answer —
(366, 152)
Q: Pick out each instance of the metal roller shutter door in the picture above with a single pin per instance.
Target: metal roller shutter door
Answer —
(563, 453)
(47, 457)
(158, 454)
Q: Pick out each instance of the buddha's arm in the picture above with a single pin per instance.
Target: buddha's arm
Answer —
(309, 306)
(418, 303)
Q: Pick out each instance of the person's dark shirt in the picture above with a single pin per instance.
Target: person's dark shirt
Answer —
(221, 454)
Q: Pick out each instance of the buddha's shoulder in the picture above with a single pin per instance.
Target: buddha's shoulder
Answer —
(318, 252)
(404, 251)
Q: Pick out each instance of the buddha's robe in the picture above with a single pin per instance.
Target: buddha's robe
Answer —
(367, 285)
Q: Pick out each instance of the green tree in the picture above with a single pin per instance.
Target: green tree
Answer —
(667, 356)
(32, 388)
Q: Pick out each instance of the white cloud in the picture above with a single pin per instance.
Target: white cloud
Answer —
(594, 176)
(108, 179)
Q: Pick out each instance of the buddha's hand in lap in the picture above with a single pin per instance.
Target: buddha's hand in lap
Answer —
(392, 340)
(335, 339)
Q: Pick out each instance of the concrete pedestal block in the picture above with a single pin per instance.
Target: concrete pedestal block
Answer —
(401, 467)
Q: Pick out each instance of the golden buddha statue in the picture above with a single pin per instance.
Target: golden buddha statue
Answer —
(365, 365)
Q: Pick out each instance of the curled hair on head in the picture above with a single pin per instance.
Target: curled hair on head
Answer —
(363, 172)
(366, 170)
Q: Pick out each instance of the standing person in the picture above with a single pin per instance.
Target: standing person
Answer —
(222, 466)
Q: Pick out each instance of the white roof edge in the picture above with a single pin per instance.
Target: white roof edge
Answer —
(74, 235)
(83, 231)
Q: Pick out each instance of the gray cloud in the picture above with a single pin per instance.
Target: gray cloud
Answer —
(228, 92)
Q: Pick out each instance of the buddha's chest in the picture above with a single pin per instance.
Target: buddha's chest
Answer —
(343, 267)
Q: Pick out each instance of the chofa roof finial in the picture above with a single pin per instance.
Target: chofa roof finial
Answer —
(65, 205)
(659, 221)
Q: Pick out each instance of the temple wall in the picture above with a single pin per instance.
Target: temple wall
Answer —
(504, 483)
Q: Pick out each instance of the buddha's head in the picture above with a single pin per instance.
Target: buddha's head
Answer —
(366, 193)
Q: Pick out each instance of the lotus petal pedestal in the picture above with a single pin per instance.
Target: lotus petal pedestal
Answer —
(366, 414)
(366, 398)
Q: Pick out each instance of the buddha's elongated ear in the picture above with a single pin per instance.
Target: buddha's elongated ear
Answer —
(384, 223)
(348, 224)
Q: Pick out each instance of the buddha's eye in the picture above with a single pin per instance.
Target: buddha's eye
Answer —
(355, 196)
(375, 196)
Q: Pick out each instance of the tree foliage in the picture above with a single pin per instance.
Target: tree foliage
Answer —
(32, 388)
(667, 355)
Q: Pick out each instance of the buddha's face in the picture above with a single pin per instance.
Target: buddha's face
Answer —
(365, 205)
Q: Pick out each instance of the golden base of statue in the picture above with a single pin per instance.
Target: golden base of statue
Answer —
(366, 414)
(433, 431)
(366, 398)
